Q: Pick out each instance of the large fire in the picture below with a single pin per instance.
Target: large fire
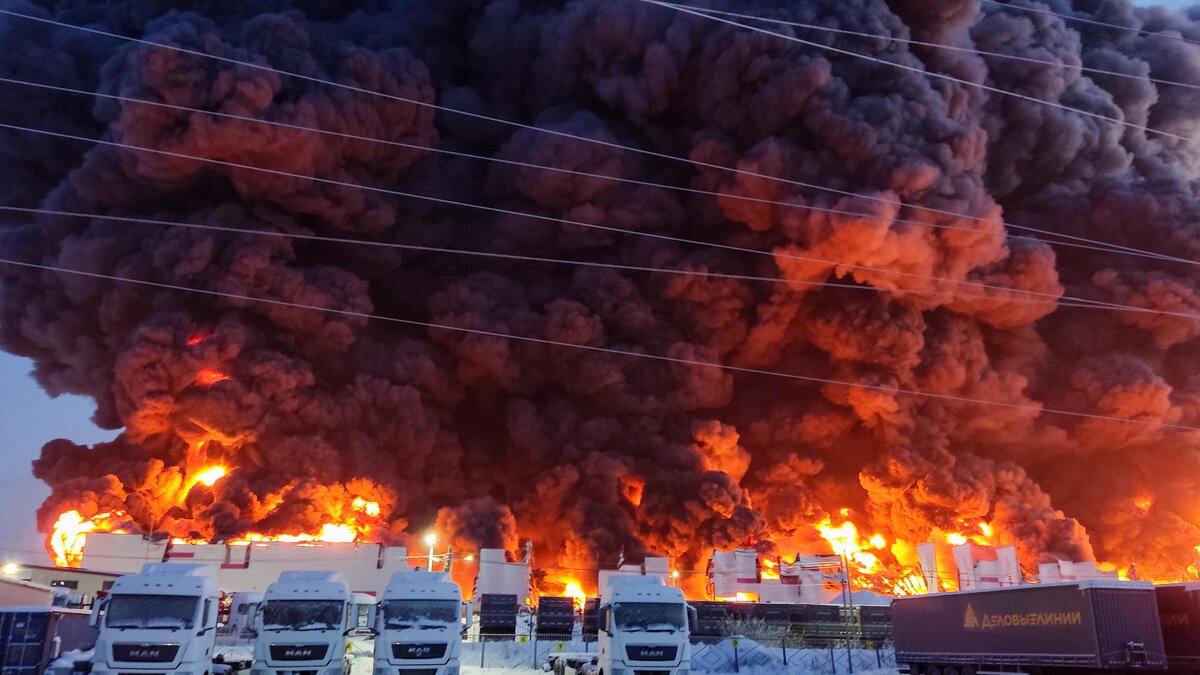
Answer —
(69, 532)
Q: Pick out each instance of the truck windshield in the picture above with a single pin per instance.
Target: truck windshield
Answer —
(649, 616)
(170, 612)
(413, 613)
(302, 614)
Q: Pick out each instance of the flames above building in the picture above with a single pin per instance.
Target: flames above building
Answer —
(240, 419)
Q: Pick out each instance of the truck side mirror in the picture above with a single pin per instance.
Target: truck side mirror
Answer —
(693, 617)
(98, 607)
(605, 613)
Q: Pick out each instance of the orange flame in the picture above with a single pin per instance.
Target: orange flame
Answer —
(207, 377)
(575, 592)
(69, 534)
(198, 337)
(208, 476)
(369, 508)
(845, 542)
(770, 569)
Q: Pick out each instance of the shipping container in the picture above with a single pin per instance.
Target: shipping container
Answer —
(555, 616)
(1069, 627)
(32, 637)
(1179, 616)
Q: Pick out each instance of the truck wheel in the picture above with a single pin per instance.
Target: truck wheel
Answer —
(968, 670)
(933, 670)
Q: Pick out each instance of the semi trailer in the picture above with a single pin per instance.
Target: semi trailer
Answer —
(31, 638)
(1179, 616)
(1064, 628)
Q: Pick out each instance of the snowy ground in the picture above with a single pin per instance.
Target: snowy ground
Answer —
(524, 658)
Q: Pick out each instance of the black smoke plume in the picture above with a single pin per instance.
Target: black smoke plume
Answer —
(589, 453)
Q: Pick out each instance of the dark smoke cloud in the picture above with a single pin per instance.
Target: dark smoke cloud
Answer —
(589, 453)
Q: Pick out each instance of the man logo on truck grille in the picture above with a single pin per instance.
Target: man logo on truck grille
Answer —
(972, 621)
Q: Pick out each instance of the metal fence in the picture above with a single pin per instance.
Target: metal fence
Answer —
(735, 654)
(783, 655)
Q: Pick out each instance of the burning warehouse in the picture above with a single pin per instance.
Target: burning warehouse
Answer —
(606, 275)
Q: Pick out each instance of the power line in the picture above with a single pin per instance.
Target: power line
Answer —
(1093, 22)
(1079, 302)
(946, 47)
(512, 256)
(1069, 303)
(552, 132)
(921, 71)
(744, 370)
(741, 249)
(553, 219)
(1072, 240)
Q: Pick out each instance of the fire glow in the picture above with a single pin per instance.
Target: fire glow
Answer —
(207, 377)
(68, 534)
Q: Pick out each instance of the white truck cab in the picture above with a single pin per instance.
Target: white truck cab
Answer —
(162, 620)
(643, 628)
(303, 622)
(420, 625)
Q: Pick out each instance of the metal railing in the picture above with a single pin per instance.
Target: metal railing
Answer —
(730, 654)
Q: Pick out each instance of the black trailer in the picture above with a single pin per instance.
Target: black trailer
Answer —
(1179, 616)
(1074, 627)
(712, 620)
(591, 619)
(32, 637)
(555, 617)
(875, 622)
(497, 615)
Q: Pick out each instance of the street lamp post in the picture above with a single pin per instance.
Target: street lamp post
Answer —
(431, 539)
(848, 598)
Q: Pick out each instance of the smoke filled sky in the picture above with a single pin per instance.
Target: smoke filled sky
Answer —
(588, 453)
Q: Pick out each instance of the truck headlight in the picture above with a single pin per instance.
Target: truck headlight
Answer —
(450, 670)
(381, 670)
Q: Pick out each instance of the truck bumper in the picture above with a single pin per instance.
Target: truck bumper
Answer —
(417, 670)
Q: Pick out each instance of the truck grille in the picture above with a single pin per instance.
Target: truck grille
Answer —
(144, 653)
(418, 650)
(651, 652)
(298, 652)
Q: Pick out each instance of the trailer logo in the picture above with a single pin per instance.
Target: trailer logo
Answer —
(973, 621)
(1175, 620)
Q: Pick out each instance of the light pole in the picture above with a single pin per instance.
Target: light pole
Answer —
(849, 608)
(431, 539)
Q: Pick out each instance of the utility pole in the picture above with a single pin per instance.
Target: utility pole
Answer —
(848, 606)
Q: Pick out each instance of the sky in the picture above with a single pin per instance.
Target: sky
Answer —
(29, 418)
